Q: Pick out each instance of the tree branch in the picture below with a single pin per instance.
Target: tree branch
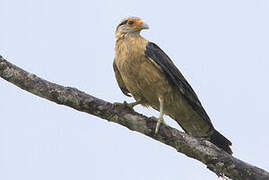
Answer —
(202, 150)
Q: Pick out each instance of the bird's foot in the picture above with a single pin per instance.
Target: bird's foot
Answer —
(125, 104)
(159, 121)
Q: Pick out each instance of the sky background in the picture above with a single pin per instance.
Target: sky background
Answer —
(221, 47)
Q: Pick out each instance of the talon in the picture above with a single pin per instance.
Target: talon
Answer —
(153, 118)
(124, 105)
(118, 104)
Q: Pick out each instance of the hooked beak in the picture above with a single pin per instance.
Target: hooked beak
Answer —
(144, 26)
(141, 25)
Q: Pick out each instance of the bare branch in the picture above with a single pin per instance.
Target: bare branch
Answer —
(202, 150)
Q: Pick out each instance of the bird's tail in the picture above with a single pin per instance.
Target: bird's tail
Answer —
(221, 141)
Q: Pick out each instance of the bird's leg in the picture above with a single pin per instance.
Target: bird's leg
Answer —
(133, 104)
(160, 119)
(129, 105)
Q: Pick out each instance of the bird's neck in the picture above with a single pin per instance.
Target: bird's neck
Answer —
(123, 36)
(129, 42)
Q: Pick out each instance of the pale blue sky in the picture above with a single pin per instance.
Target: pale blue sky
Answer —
(221, 47)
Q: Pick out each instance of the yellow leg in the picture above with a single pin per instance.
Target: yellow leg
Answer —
(160, 119)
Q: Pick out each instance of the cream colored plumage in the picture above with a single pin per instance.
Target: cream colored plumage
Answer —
(144, 71)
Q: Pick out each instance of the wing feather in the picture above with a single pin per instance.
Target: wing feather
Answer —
(155, 53)
(120, 81)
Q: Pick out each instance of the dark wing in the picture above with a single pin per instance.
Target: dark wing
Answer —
(120, 81)
(174, 75)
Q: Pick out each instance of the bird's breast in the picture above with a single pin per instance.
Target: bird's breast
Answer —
(143, 79)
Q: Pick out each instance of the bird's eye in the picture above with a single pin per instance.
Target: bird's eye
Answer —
(131, 22)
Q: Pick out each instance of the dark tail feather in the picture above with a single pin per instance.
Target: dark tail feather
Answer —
(221, 141)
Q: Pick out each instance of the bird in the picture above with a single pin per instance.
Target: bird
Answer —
(146, 73)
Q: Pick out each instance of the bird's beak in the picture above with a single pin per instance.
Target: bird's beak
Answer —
(144, 26)
(141, 25)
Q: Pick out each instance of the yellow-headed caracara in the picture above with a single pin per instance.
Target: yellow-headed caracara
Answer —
(145, 72)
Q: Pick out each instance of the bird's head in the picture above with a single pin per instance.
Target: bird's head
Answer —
(131, 25)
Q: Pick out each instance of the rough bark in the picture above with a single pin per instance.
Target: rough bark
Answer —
(202, 150)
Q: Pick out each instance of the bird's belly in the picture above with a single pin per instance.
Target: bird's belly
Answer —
(145, 82)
